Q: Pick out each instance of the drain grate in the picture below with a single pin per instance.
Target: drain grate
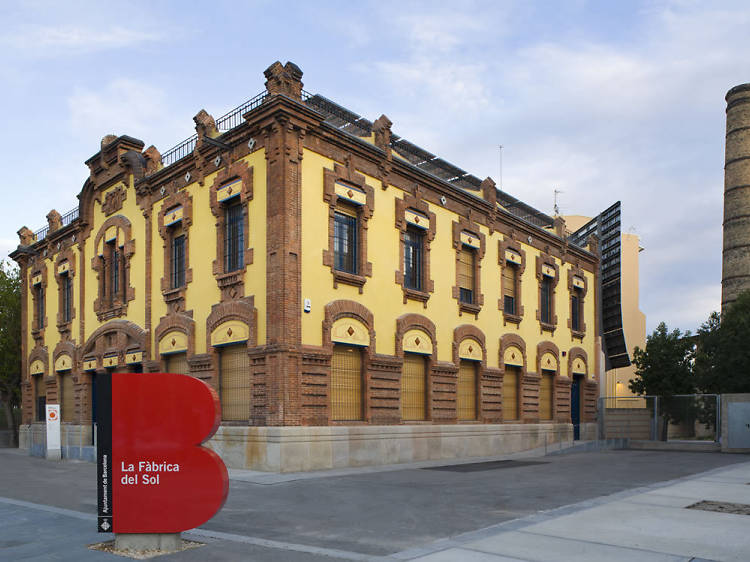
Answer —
(722, 507)
(482, 466)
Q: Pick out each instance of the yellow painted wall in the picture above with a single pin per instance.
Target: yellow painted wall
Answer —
(384, 298)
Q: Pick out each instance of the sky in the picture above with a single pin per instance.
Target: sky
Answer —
(603, 101)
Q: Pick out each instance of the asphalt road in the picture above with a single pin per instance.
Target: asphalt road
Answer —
(374, 513)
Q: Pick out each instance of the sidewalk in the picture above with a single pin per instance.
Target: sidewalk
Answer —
(646, 524)
(52, 517)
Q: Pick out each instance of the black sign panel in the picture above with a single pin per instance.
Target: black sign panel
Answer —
(103, 399)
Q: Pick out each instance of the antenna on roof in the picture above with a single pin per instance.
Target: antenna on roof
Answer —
(556, 207)
(501, 166)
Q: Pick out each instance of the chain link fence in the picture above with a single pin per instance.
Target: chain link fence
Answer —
(690, 417)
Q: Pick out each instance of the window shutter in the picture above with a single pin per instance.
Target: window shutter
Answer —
(234, 388)
(510, 393)
(346, 383)
(466, 401)
(413, 389)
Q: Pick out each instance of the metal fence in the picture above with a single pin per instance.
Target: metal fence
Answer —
(690, 417)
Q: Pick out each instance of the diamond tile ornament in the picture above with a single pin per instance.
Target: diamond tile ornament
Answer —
(173, 342)
(471, 349)
(350, 331)
(512, 355)
(416, 220)
(350, 193)
(416, 341)
(229, 332)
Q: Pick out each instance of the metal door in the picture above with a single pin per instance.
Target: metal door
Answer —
(738, 423)
(575, 406)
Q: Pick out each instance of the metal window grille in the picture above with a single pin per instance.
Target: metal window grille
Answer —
(178, 261)
(40, 305)
(235, 388)
(413, 387)
(67, 298)
(41, 399)
(346, 383)
(546, 308)
(345, 242)
(177, 363)
(466, 259)
(68, 398)
(510, 393)
(234, 237)
(466, 400)
(509, 288)
(546, 390)
(413, 251)
(575, 309)
(115, 273)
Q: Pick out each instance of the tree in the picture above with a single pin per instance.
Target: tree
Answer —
(10, 343)
(664, 369)
(722, 363)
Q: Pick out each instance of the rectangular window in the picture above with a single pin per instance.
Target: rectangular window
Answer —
(41, 399)
(510, 273)
(345, 242)
(413, 387)
(510, 393)
(413, 243)
(466, 400)
(67, 298)
(234, 237)
(40, 306)
(546, 300)
(234, 387)
(178, 261)
(346, 383)
(575, 309)
(113, 271)
(466, 259)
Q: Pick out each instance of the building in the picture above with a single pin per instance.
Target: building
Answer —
(629, 320)
(352, 298)
(735, 276)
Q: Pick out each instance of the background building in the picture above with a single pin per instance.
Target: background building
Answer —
(353, 298)
(627, 323)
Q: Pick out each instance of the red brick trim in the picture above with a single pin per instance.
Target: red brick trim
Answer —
(416, 203)
(347, 174)
(182, 198)
(468, 225)
(66, 255)
(572, 355)
(576, 271)
(407, 322)
(514, 340)
(42, 353)
(119, 307)
(38, 326)
(545, 258)
(69, 348)
(232, 284)
(175, 321)
(116, 337)
(511, 243)
(351, 309)
(549, 347)
(114, 199)
(459, 334)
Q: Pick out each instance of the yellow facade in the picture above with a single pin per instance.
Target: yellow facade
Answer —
(287, 303)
